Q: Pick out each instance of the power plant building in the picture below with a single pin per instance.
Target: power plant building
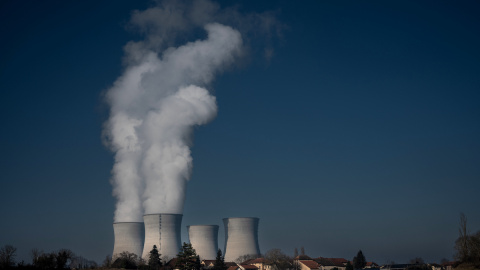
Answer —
(129, 237)
(204, 239)
(241, 237)
(164, 231)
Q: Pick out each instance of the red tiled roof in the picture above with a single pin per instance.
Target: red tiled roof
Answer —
(230, 264)
(233, 267)
(324, 261)
(257, 260)
(371, 264)
(338, 260)
(248, 261)
(335, 261)
(249, 266)
(310, 264)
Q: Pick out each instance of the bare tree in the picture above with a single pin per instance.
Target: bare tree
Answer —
(64, 257)
(302, 251)
(7, 256)
(475, 248)
(277, 259)
(107, 262)
(462, 241)
(467, 246)
(46, 261)
(247, 257)
(35, 253)
(127, 260)
(296, 264)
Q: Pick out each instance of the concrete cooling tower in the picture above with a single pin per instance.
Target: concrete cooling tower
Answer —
(164, 231)
(204, 239)
(241, 237)
(128, 237)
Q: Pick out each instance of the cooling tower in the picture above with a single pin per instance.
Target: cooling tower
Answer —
(162, 230)
(204, 239)
(128, 237)
(241, 237)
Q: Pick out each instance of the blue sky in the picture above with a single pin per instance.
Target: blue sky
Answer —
(361, 132)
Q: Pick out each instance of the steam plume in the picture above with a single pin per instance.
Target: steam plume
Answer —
(160, 97)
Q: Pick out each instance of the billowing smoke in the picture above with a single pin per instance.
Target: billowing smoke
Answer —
(158, 100)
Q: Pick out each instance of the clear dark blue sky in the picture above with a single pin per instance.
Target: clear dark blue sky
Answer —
(362, 132)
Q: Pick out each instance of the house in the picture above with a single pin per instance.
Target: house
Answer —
(331, 263)
(229, 264)
(308, 265)
(449, 265)
(236, 267)
(207, 264)
(339, 261)
(171, 264)
(371, 265)
(435, 266)
(395, 266)
(260, 263)
(247, 267)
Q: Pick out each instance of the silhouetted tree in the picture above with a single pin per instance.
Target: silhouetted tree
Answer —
(7, 256)
(126, 260)
(302, 251)
(467, 246)
(277, 259)
(247, 257)
(349, 266)
(62, 258)
(46, 261)
(359, 261)
(188, 259)
(35, 253)
(22, 265)
(154, 261)
(461, 245)
(107, 262)
(296, 264)
(418, 264)
(219, 262)
(79, 262)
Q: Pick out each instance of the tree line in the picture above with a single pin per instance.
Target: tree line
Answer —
(187, 259)
(61, 259)
(467, 254)
(467, 246)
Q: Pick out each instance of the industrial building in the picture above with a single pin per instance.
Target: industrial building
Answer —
(164, 231)
(129, 236)
(204, 239)
(241, 237)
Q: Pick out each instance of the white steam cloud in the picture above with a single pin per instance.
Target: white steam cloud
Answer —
(159, 98)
